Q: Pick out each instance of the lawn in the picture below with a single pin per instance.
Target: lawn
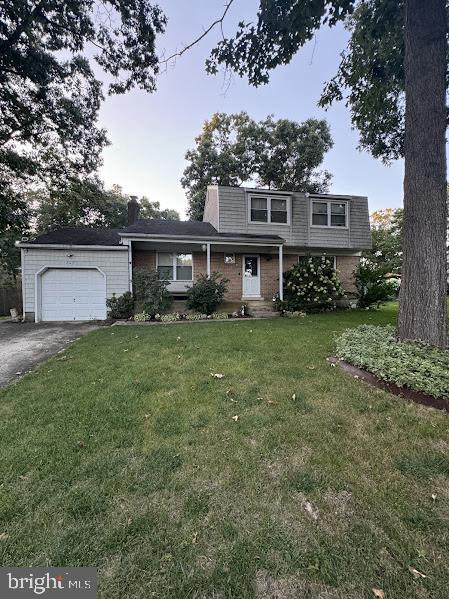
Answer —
(285, 478)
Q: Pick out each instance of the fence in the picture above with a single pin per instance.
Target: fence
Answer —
(10, 297)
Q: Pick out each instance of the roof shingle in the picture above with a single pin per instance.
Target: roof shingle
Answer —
(103, 237)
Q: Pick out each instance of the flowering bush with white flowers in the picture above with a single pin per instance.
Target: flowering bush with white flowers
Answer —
(312, 285)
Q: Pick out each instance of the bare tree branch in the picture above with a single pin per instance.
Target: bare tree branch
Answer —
(218, 21)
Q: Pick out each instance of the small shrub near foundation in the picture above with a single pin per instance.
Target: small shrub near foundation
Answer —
(141, 317)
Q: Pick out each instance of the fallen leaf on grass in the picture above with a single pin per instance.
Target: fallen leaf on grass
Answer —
(294, 396)
(3, 536)
(81, 444)
(311, 367)
(434, 496)
(378, 593)
(24, 477)
(178, 338)
(217, 375)
(235, 418)
(416, 573)
(195, 537)
(310, 510)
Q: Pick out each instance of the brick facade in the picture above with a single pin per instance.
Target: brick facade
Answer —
(144, 260)
(346, 266)
(269, 270)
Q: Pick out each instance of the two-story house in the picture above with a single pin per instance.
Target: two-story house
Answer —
(251, 236)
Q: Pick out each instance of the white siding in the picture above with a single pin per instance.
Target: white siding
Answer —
(114, 264)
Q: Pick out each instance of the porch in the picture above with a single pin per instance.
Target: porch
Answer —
(254, 270)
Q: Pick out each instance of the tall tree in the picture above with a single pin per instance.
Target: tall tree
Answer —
(423, 307)
(88, 204)
(397, 51)
(233, 149)
(49, 94)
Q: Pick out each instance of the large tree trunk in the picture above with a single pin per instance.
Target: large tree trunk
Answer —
(423, 309)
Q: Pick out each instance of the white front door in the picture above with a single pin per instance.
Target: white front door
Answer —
(251, 276)
(72, 294)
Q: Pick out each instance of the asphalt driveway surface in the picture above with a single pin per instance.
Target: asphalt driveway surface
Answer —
(25, 345)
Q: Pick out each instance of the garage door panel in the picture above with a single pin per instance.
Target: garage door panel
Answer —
(72, 294)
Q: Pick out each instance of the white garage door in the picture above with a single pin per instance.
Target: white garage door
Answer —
(73, 294)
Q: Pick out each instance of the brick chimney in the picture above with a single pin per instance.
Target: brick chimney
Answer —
(133, 210)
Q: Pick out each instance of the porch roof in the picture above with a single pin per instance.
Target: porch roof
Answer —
(195, 231)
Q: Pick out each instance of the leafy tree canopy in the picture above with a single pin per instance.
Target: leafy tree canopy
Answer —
(370, 77)
(49, 94)
(234, 149)
(386, 230)
(89, 204)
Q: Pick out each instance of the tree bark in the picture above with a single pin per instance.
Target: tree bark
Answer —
(423, 309)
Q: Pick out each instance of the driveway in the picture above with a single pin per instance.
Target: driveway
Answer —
(25, 345)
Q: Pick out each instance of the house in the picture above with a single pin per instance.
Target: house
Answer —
(251, 236)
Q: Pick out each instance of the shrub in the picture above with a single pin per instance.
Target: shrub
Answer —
(373, 288)
(220, 315)
(121, 306)
(408, 364)
(311, 285)
(150, 292)
(173, 317)
(207, 293)
(193, 316)
(141, 317)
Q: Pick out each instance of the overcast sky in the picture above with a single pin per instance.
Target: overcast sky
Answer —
(150, 133)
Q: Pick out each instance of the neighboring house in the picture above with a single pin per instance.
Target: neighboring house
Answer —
(251, 236)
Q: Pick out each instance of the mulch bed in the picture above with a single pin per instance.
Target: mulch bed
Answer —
(440, 403)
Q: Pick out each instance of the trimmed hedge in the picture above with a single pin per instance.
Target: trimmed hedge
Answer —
(408, 364)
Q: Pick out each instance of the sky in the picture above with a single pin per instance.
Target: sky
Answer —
(150, 133)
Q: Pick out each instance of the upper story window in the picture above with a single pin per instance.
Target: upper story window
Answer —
(268, 210)
(175, 267)
(329, 214)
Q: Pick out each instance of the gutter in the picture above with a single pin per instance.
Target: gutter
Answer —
(59, 246)
(203, 238)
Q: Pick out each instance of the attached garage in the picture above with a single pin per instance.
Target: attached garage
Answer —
(72, 294)
(68, 274)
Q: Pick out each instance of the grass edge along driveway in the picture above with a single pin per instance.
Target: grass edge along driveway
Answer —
(284, 478)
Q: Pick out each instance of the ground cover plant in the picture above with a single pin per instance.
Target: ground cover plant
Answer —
(224, 460)
(408, 364)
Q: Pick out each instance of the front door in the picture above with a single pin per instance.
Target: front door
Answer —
(251, 276)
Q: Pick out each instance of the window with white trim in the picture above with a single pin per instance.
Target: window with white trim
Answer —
(268, 210)
(175, 267)
(329, 214)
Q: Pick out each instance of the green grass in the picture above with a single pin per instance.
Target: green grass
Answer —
(123, 454)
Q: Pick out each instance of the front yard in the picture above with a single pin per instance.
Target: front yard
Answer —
(283, 479)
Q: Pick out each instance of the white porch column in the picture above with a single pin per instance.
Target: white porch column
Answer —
(281, 270)
(130, 265)
(208, 260)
